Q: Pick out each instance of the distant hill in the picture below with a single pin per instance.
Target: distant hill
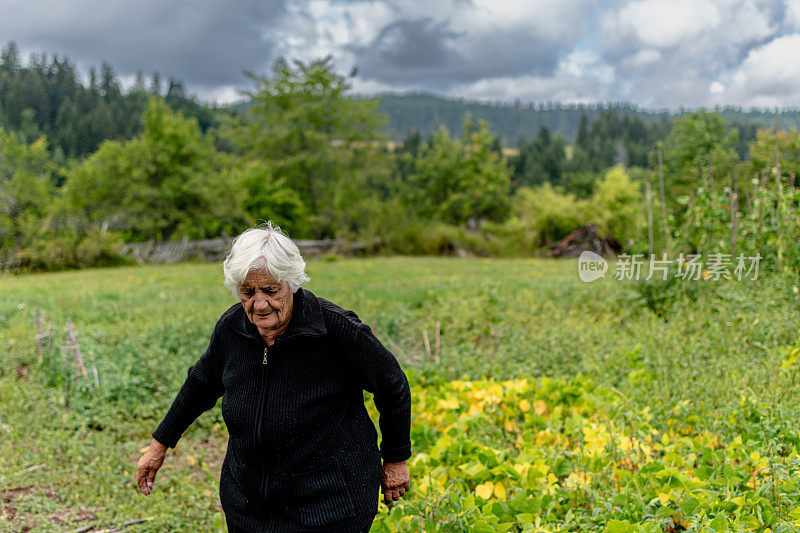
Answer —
(425, 112)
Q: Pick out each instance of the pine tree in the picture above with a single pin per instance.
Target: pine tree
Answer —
(155, 84)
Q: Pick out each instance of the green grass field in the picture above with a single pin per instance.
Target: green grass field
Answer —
(683, 420)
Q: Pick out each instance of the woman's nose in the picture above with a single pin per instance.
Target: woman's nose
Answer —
(261, 302)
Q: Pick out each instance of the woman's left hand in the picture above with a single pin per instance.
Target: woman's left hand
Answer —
(395, 482)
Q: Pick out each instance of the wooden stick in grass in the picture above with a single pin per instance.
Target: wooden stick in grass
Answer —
(734, 210)
(747, 199)
(427, 344)
(76, 350)
(43, 338)
(780, 189)
(710, 170)
(649, 204)
(50, 335)
(136, 521)
(38, 333)
(760, 197)
(115, 530)
(437, 342)
(664, 214)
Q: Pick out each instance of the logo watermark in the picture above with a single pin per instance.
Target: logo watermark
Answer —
(591, 266)
(637, 267)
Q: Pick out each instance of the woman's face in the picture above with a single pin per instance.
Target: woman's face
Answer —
(267, 303)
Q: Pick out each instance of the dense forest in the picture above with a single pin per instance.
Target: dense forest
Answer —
(425, 112)
(85, 166)
(46, 97)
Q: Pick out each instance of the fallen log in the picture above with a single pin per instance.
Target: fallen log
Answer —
(586, 238)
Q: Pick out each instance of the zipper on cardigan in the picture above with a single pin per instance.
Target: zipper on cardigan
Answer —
(264, 481)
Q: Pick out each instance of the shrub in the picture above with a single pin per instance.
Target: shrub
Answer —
(72, 251)
(616, 206)
(545, 215)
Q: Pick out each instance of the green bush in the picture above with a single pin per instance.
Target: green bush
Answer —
(617, 206)
(544, 215)
(662, 296)
(418, 237)
(72, 251)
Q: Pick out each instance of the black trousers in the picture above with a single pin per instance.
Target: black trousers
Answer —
(236, 529)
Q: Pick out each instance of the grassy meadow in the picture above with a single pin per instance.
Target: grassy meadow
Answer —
(542, 403)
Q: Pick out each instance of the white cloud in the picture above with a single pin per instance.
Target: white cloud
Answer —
(642, 58)
(315, 29)
(716, 88)
(671, 51)
(532, 88)
(667, 23)
(793, 13)
(586, 64)
(227, 94)
(747, 22)
(770, 74)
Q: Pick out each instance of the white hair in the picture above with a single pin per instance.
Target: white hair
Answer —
(264, 248)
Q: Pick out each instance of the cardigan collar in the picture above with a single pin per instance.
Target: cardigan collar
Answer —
(306, 319)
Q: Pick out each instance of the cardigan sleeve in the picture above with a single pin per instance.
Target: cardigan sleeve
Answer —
(381, 375)
(199, 393)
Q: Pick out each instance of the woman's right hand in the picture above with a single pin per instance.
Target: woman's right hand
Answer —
(149, 464)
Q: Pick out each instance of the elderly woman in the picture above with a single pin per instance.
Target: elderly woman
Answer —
(291, 369)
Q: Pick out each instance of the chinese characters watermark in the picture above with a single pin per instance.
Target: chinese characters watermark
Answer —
(686, 267)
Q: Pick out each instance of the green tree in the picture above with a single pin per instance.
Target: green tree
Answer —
(25, 189)
(46, 97)
(462, 181)
(162, 185)
(617, 205)
(9, 58)
(316, 137)
(540, 161)
(263, 197)
(699, 151)
(762, 153)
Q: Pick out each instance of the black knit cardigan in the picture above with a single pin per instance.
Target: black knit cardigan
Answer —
(302, 451)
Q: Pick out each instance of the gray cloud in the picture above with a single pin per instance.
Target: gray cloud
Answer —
(408, 50)
(446, 51)
(207, 43)
(659, 53)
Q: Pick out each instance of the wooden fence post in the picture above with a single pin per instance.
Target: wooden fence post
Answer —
(72, 342)
(779, 201)
(734, 211)
(437, 344)
(664, 212)
(649, 203)
(38, 333)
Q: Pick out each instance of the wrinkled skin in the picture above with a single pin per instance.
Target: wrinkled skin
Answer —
(267, 304)
(149, 464)
(395, 481)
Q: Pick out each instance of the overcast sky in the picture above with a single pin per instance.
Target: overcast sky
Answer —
(654, 53)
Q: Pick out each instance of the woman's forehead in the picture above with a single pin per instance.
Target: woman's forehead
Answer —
(259, 278)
